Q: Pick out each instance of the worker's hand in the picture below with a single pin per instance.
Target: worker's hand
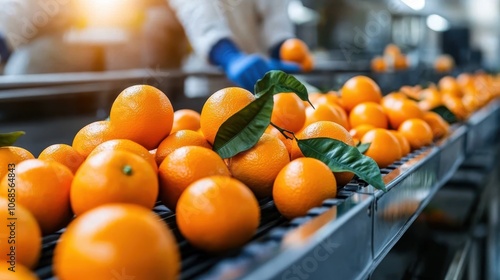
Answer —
(245, 70)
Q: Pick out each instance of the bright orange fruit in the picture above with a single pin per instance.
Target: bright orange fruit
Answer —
(43, 187)
(257, 167)
(384, 147)
(417, 132)
(143, 114)
(288, 112)
(104, 242)
(24, 234)
(302, 184)
(114, 176)
(64, 154)
(219, 107)
(12, 155)
(185, 165)
(368, 113)
(360, 89)
(186, 119)
(217, 213)
(126, 145)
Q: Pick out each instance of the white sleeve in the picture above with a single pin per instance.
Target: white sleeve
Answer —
(203, 24)
(23, 20)
(276, 24)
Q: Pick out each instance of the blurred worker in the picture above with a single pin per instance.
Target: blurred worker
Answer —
(47, 36)
(243, 37)
(34, 34)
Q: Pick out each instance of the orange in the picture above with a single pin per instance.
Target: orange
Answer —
(64, 154)
(330, 130)
(449, 84)
(143, 114)
(400, 111)
(401, 62)
(217, 213)
(392, 50)
(330, 98)
(368, 113)
(12, 155)
(417, 132)
(358, 131)
(23, 234)
(360, 89)
(431, 98)
(43, 187)
(403, 142)
(186, 119)
(465, 80)
(307, 63)
(471, 101)
(412, 92)
(129, 146)
(343, 116)
(439, 126)
(456, 106)
(384, 147)
(220, 106)
(391, 98)
(294, 50)
(179, 139)
(287, 141)
(21, 272)
(113, 176)
(258, 166)
(323, 112)
(289, 112)
(104, 243)
(378, 64)
(91, 135)
(185, 165)
(302, 184)
(444, 63)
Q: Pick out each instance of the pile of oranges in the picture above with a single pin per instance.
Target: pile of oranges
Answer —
(392, 60)
(102, 187)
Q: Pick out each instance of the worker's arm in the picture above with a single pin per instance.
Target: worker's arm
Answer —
(211, 38)
(276, 24)
(21, 21)
(202, 24)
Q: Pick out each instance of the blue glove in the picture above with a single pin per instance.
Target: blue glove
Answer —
(4, 50)
(288, 67)
(242, 69)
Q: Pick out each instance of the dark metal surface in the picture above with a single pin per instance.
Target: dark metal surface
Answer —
(340, 235)
(483, 127)
(452, 152)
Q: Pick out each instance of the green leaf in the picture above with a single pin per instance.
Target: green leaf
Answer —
(276, 81)
(341, 157)
(445, 113)
(8, 139)
(362, 148)
(243, 129)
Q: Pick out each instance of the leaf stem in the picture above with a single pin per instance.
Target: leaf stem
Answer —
(284, 132)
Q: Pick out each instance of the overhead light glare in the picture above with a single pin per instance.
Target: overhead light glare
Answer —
(416, 5)
(437, 23)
